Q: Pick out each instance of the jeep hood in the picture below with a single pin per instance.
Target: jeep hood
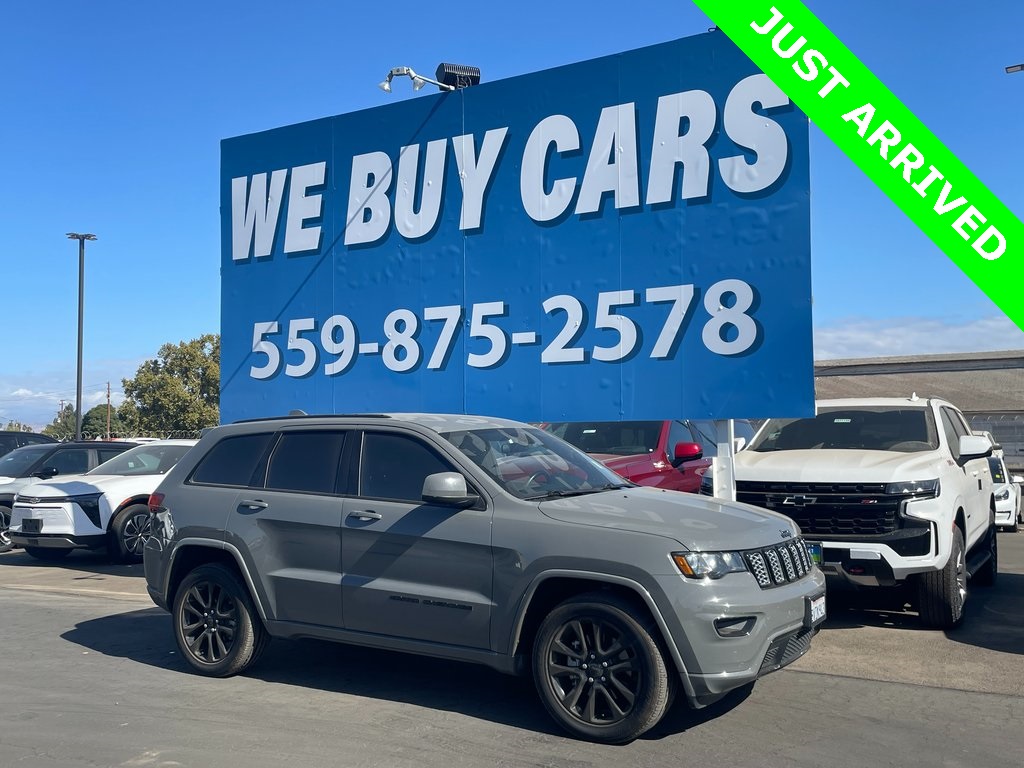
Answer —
(837, 466)
(699, 523)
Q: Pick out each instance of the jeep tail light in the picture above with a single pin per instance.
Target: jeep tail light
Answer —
(156, 502)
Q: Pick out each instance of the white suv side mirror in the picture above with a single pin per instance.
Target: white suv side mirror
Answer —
(974, 447)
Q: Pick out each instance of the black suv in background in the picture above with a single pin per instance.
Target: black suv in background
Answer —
(11, 440)
(23, 466)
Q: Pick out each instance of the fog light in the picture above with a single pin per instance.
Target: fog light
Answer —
(735, 626)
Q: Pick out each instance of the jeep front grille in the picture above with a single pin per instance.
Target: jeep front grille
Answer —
(779, 564)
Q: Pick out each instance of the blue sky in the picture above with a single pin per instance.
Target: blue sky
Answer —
(114, 112)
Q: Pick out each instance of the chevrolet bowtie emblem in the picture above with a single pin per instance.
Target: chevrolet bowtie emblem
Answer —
(799, 501)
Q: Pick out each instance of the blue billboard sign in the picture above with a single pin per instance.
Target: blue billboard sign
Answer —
(622, 238)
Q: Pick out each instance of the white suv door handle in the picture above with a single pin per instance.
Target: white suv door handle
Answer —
(365, 514)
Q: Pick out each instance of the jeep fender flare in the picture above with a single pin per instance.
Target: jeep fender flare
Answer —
(638, 589)
(223, 546)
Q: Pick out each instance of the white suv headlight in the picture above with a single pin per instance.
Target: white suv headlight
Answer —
(919, 489)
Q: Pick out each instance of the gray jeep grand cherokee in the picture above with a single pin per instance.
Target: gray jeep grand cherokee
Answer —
(482, 540)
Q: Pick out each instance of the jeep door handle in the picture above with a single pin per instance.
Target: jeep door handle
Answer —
(253, 505)
(365, 514)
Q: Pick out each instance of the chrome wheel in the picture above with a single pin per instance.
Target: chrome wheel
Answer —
(136, 532)
(208, 618)
(961, 577)
(594, 671)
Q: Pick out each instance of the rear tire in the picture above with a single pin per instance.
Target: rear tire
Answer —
(599, 669)
(215, 622)
(5, 529)
(941, 594)
(48, 555)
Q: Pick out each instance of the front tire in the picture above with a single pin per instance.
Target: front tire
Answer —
(129, 531)
(216, 625)
(942, 594)
(599, 670)
(5, 529)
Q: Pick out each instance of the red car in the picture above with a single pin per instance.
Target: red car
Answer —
(663, 454)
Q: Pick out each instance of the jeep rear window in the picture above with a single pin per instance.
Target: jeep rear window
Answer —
(306, 462)
(232, 461)
(878, 428)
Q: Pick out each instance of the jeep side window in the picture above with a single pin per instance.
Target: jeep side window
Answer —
(306, 461)
(394, 467)
(232, 461)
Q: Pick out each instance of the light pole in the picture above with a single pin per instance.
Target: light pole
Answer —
(81, 302)
(1015, 68)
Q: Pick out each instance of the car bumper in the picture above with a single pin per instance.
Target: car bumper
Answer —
(779, 632)
(58, 541)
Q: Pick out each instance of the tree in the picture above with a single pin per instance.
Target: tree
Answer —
(94, 422)
(17, 426)
(63, 425)
(178, 391)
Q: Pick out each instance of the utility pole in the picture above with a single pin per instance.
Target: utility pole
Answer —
(108, 410)
(81, 238)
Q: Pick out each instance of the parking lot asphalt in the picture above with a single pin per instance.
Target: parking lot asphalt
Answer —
(92, 678)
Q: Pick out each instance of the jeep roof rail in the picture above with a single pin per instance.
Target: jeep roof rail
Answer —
(316, 416)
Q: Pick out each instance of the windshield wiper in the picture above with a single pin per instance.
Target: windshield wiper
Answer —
(578, 492)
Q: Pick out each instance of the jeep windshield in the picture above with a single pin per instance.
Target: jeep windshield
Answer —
(878, 428)
(532, 464)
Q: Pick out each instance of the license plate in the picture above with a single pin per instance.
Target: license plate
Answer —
(815, 549)
(815, 610)
(31, 525)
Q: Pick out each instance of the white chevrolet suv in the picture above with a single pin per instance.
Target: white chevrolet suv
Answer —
(885, 491)
(103, 508)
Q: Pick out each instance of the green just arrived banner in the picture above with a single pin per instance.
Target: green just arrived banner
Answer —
(895, 149)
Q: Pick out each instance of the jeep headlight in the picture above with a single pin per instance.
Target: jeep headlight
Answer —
(919, 489)
(1003, 495)
(713, 565)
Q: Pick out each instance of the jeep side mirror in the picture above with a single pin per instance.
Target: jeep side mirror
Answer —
(686, 452)
(46, 473)
(1017, 479)
(447, 488)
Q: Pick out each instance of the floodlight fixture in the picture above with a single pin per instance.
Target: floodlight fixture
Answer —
(458, 75)
(418, 81)
(1015, 68)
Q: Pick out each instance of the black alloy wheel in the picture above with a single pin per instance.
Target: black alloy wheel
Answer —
(593, 669)
(599, 669)
(216, 625)
(209, 622)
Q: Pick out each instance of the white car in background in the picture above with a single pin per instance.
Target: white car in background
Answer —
(1006, 492)
(103, 508)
